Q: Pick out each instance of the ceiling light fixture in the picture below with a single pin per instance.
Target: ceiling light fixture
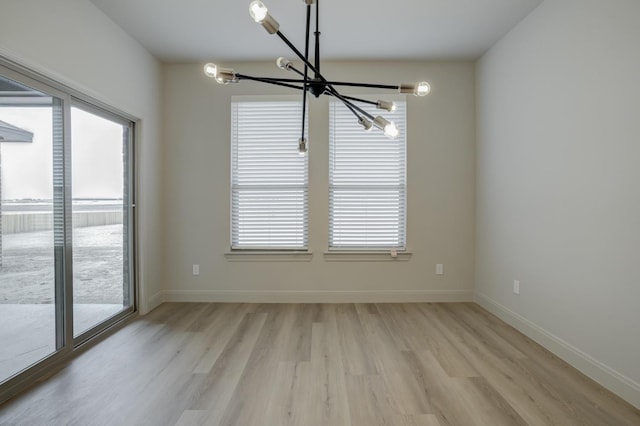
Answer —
(316, 85)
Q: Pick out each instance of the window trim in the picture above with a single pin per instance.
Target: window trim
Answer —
(269, 256)
(367, 256)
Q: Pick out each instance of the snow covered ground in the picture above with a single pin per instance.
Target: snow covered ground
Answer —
(27, 272)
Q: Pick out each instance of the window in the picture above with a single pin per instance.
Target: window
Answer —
(269, 178)
(367, 182)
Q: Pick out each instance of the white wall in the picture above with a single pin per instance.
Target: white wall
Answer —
(558, 184)
(441, 217)
(74, 43)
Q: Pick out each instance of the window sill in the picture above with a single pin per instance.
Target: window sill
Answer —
(268, 256)
(366, 256)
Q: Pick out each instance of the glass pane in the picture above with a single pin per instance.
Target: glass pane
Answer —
(101, 285)
(30, 135)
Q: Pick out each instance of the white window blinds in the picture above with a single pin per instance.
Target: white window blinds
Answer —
(269, 178)
(367, 182)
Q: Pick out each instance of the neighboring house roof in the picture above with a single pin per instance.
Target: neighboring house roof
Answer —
(11, 133)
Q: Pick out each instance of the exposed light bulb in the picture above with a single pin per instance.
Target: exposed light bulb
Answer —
(418, 89)
(422, 89)
(366, 124)
(388, 127)
(303, 146)
(221, 75)
(258, 11)
(386, 105)
(391, 130)
(283, 63)
(211, 70)
(260, 14)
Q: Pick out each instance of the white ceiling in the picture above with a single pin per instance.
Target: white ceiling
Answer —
(202, 30)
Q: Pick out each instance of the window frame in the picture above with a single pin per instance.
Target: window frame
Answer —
(267, 252)
(360, 251)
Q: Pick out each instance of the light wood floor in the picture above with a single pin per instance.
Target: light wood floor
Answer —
(325, 365)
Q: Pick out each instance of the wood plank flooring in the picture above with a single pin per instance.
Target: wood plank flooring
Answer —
(318, 365)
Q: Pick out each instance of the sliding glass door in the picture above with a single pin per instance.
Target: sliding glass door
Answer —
(66, 223)
(100, 172)
(30, 125)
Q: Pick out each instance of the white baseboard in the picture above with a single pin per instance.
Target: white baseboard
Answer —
(153, 302)
(318, 296)
(617, 383)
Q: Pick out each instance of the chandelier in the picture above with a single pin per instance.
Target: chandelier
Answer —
(317, 85)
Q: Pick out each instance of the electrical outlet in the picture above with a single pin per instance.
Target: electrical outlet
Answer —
(516, 286)
(196, 269)
(439, 269)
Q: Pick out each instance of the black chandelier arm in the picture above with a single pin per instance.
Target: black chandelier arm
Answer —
(358, 116)
(357, 108)
(375, 86)
(297, 71)
(305, 87)
(364, 101)
(276, 79)
(304, 112)
(349, 104)
(306, 40)
(317, 38)
(273, 81)
(346, 103)
(300, 55)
